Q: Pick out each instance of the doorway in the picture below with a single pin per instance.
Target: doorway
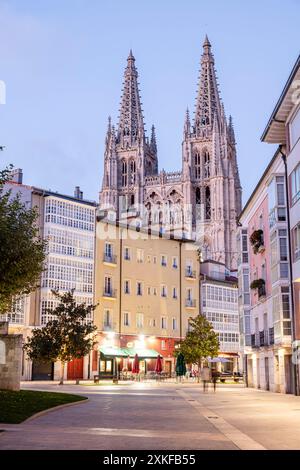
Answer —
(75, 369)
(42, 370)
(267, 377)
(288, 373)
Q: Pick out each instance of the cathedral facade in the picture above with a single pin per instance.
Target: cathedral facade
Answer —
(204, 198)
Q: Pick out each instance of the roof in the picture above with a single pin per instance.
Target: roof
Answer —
(259, 183)
(274, 132)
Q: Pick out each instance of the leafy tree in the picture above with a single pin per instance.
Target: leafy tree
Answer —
(200, 343)
(69, 335)
(22, 250)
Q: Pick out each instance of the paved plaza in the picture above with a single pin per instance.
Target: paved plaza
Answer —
(161, 416)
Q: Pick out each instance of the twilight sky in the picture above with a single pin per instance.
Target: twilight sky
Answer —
(63, 63)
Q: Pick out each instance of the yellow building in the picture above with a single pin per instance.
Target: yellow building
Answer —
(146, 288)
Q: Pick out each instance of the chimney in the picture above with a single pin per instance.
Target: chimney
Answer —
(16, 175)
(77, 193)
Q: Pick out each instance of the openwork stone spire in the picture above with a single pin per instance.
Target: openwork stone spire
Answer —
(208, 100)
(131, 125)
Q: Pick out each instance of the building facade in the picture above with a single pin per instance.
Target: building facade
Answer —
(204, 198)
(264, 284)
(283, 128)
(219, 303)
(146, 288)
(68, 223)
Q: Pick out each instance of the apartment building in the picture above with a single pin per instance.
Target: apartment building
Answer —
(219, 303)
(146, 288)
(264, 285)
(283, 128)
(68, 223)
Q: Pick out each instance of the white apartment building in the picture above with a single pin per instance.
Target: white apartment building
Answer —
(219, 303)
(68, 223)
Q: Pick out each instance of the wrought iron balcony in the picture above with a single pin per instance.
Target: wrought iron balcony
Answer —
(190, 303)
(112, 259)
(190, 274)
(110, 293)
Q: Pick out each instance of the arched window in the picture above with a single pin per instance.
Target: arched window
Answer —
(207, 204)
(124, 173)
(197, 164)
(132, 172)
(206, 164)
(132, 200)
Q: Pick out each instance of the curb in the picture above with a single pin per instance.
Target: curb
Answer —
(54, 408)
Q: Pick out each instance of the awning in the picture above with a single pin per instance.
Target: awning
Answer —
(223, 360)
(112, 351)
(145, 353)
(128, 352)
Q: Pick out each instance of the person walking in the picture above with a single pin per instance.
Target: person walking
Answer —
(214, 378)
(205, 376)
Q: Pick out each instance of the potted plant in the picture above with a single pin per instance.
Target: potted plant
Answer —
(260, 285)
(257, 241)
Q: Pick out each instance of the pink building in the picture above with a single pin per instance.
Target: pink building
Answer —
(264, 293)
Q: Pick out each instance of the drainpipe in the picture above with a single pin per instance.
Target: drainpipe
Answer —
(295, 366)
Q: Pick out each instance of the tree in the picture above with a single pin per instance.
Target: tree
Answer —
(22, 250)
(200, 343)
(67, 336)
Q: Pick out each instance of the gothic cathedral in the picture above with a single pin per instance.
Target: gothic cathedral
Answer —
(205, 195)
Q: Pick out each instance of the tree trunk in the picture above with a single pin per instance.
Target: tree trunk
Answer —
(62, 373)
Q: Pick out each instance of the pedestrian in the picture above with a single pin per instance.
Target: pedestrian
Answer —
(205, 376)
(214, 378)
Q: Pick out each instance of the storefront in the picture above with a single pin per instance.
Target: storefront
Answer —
(114, 361)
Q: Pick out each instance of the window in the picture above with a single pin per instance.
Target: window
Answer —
(149, 290)
(174, 324)
(148, 258)
(154, 259)
(127, 253)
(206, 165)
(296, 242)
(174, 262)
(107, 319)
(285, 302)
(124, 173)
(283, 248)
(207, 204)
(140, 320)
(140, 255)
(164, 323)
(295, 129)
(295, 180)
(163, 291)
(139, 288)
(108, 285)
(126, 287)
(126, 319)
(108, 251)
(197, 162)
(132, 172)
(163, 344)
(174, 293)
(163, 260)
(154, 291)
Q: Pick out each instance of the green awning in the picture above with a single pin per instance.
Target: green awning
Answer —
(112, 352)
(146, 353)
(125, 352)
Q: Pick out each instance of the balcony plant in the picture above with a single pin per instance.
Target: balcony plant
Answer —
(260, 285)
(257, 241)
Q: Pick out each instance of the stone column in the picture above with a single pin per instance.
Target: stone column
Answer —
(10, 359)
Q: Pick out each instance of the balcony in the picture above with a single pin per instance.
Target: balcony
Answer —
(271, 335)
(190, 274)
(109, 294)
(109, 259)
(260, 286)
(190, 303)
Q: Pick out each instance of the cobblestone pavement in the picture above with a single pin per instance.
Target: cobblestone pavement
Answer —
(161, 416)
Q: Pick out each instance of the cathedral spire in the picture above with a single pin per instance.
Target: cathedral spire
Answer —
(187, 124)
(231, 134)
(153, 145)
(131, 124)
(208, 100)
